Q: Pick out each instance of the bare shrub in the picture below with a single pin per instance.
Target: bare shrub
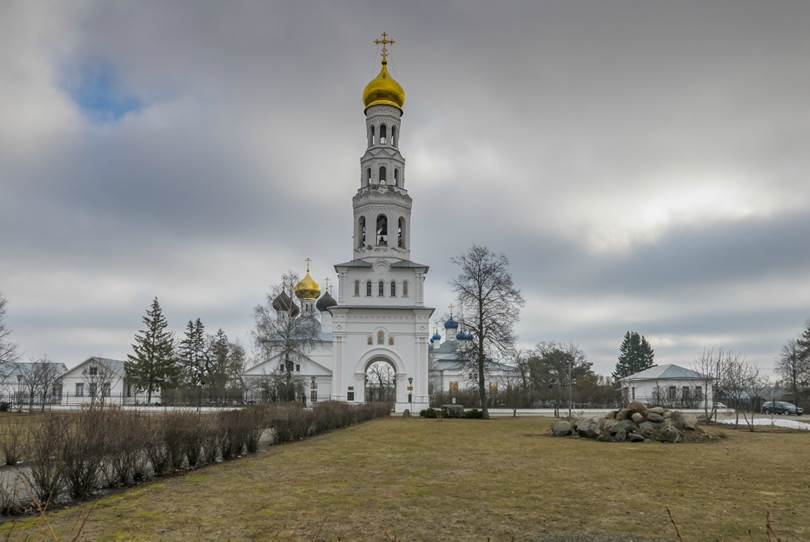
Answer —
(212, 438)
(174, 437)
(10, 501)
(46, 476)
(192, 432)
(155, 446)
(127, 431)
(234, 433)
(84, 450)
(14, 443)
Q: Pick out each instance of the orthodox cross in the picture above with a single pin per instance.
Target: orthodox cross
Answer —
(308, 260)
(385, 42)
(326, 284)
(450, 306)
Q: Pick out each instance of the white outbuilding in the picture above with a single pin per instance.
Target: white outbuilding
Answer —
(668, 385)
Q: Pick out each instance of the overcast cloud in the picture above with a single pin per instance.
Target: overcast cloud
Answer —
(643, 164)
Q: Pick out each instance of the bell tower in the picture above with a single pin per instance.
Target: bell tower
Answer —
(382, 206)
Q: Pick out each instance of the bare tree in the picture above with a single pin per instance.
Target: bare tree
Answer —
(710, 367)
(491, 305)
(8, 350)
(100, 378)
(794, 368)
(381, 381)
(283, 334)
(736, 381)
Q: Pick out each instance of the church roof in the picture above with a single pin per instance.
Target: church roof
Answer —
(667, 371)
(354, 263)
(407, 264)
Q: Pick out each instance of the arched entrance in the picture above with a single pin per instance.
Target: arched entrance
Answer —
(380, 381)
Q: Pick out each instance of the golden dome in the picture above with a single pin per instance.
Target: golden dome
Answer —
(307, 288)
(384, 90)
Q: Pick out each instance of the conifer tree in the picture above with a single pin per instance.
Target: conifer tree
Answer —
(635, 354)
(803, 344)
(151, 367)
(220, 366)
(194, 357)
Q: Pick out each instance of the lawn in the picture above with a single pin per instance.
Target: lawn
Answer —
(503, 479)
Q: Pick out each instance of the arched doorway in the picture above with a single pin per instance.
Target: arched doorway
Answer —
(380, 381)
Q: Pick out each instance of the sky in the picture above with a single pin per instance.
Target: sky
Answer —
(643, 165)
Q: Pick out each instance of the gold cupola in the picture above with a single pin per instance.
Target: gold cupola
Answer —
(307, 288)
(384, 89)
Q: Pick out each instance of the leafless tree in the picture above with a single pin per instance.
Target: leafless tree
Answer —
(491, 305)
(710, 367)
(736, 381)
(794, 368)
(381, 381)
(37, 380)
(8, 350)
(100, 379)
(282, 333)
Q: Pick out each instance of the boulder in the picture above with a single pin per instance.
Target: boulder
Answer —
(635, 437)
(561, 428)
(667, 414)
(623, 414)
(618, 436)
(690, 422)
(588, 427)
(669, 433)
(657, 410)
(635, 406)
(654, 417)
(637, 417)
(647, 429)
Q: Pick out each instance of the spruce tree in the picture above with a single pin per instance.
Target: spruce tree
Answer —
(194, 357)
(803, 344)
(635, 354)
(152, 365)
(220, 370)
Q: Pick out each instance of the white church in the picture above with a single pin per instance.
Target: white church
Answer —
(380, 313)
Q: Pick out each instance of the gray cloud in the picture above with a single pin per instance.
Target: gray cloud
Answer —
(642, 164)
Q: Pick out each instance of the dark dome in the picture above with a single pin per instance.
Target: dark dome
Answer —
(325, 302)
(461, 336)
(451, 324)
(283, 303)
(436, 337)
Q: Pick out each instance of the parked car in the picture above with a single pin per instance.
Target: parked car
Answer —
(781, 407)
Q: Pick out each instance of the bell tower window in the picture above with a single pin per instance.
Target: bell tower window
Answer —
(381, 337)
(382, 134)
(368, 176)
(361, 232)
(394, 136)
(382, 231)
(401, 232)
(396, 176)
(368, 288)
(371, 136)
(381, 289)
(393, 288)
(382, 174)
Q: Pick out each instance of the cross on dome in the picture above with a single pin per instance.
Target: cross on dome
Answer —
(385, 42)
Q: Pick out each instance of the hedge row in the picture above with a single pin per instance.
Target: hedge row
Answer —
(75, 454)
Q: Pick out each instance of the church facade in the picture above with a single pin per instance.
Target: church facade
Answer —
(379, 315)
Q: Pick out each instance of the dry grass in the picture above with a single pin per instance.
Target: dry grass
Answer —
(415, 479)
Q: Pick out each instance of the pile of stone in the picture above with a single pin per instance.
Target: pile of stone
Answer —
(634, 423)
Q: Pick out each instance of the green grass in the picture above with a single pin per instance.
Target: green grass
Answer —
(415, 479)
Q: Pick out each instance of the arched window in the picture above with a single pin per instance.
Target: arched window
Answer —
(370, 340)
(381, 337)
(368, 176)
(368, 288)
(381, 289)
(357, 288)
(382, 174)
(404, 288)
(393, 288)
(382, 231)
(361, 232)
(394, 136)
(382, 134)
(390, 341)
(396, 176)
(401, 232)
(372, 135)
